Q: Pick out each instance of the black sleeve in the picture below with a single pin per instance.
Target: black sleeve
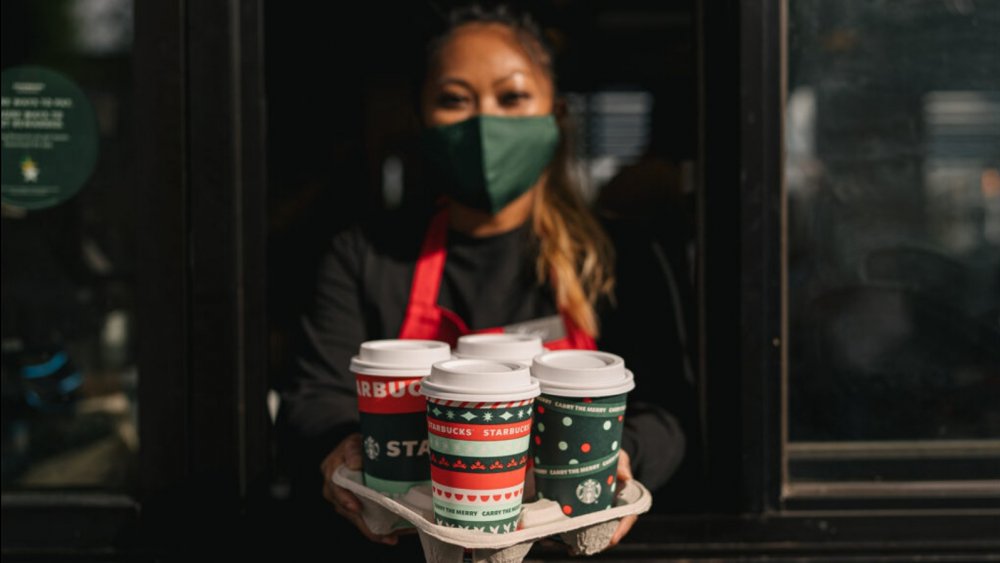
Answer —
(318, 405)
(648, 325)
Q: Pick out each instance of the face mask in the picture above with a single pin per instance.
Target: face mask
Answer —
(486, 162)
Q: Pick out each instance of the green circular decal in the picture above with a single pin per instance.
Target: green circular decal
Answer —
(49, 137)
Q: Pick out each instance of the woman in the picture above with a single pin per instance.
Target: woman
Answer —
(511, 246)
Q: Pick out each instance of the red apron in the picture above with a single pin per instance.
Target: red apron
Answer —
(425, 319)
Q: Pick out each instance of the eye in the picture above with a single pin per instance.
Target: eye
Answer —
(451, 100)
(514, 98)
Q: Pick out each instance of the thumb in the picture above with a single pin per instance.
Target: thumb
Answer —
(352, 456)
(624, 466)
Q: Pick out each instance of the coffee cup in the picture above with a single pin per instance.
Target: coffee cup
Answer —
(479, 429)
(388, 374)
(501, 346)
(577, 427)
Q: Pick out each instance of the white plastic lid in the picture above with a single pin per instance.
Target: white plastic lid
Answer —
(479, 380)
(499, 346)
(582, 373)
(397, 357)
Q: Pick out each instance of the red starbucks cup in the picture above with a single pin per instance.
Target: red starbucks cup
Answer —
(388, 375)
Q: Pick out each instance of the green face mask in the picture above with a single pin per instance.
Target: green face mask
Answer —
(486, 162)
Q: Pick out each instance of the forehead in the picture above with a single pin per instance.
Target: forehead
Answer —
(484, 48)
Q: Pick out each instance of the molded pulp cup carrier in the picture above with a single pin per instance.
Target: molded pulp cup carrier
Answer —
(584, 535)
(391, 411)
(499, 346)
(479, 427)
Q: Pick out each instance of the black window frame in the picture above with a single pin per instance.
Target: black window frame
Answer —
(199, 175)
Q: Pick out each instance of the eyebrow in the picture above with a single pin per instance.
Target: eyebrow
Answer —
(508, 77)
(460, 82)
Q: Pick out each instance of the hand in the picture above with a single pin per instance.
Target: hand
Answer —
(348, 452)
(624, 476)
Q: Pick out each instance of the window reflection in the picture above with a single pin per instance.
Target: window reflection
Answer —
(69, 373)
(892, 156)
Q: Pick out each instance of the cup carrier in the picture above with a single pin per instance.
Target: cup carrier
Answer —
(585, 534)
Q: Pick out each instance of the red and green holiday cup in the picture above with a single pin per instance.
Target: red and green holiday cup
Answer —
(388, 374)
(479, 428)
(578, 423)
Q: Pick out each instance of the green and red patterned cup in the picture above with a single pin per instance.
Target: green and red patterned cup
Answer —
(479, 427)
(578, 425)
(391, 410)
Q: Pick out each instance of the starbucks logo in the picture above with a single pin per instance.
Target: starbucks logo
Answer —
(371, 449)
(588, 491)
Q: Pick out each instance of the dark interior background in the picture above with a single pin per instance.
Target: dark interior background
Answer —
(339, 83)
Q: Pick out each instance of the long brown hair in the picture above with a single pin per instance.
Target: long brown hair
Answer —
(574, 253)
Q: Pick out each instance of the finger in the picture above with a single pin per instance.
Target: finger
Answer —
(331, 462)
(623, 528)
(343, 498)
(337, 457)
(624, 472)
(340, 497)
(352, 457)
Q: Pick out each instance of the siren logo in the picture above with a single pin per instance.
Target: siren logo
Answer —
(29, 169)
(396, 448)
(371, 448)
(588, 491)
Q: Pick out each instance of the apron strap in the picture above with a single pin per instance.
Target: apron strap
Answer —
(424, 319)
(422, 316)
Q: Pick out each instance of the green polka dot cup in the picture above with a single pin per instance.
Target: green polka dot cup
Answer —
(577, 427)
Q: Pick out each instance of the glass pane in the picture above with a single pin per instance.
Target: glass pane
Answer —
(69, 375)
(893, 185)
(613, 131)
